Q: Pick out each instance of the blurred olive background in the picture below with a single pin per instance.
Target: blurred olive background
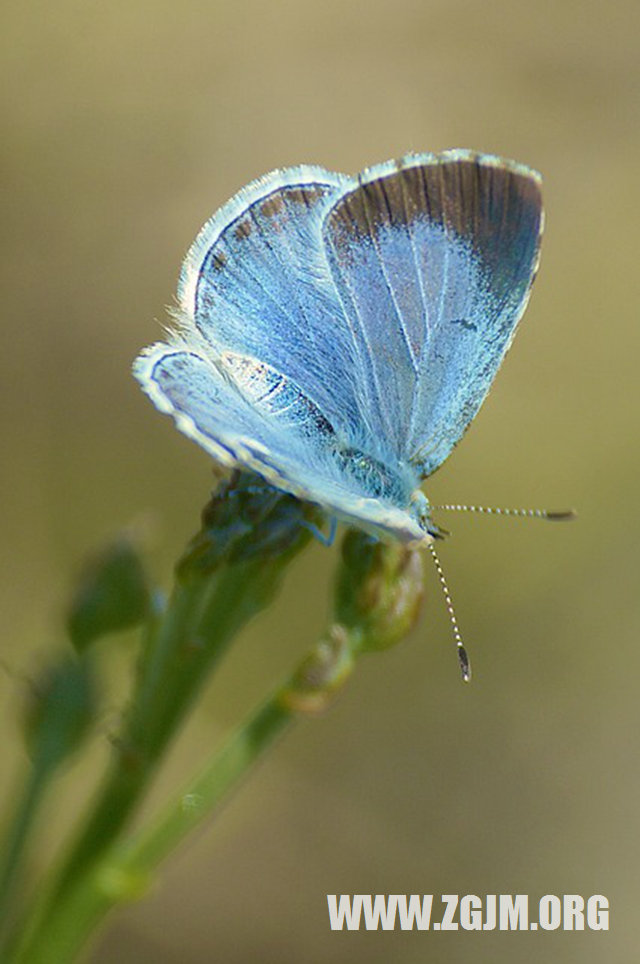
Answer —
(125, 126)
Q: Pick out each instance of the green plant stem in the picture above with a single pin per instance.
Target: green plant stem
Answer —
(147, 849)
(207, 608)
(125, 870)
(20, 827)
(200, 622)
(124, 873)
(377, 597)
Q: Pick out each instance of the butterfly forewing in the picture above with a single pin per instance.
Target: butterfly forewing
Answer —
(263, 290)
(433, 258)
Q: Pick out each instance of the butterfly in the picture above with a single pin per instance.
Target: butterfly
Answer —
(337, 334)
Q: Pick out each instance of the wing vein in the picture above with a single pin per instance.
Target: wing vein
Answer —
(387, 280)
(425, 309)
(361, 330)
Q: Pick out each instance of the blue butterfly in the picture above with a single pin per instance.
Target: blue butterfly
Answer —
(338, 334)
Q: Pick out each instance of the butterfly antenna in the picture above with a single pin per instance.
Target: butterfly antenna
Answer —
(561, 516)
(463, 659)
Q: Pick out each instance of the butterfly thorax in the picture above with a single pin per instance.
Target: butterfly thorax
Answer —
(371, 476)
(394, 484)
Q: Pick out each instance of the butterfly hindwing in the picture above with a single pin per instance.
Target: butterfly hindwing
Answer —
(246, 414)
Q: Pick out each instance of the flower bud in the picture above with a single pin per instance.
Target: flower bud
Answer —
(112, 595)
(321, 674)
(379, 589)
(247, 517)
(59, 712)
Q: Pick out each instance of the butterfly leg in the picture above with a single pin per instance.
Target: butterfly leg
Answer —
(327, 540)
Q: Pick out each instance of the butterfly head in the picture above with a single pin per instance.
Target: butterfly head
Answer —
(420, 510)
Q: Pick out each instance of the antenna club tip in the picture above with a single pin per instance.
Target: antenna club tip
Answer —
(565, 515)
(465, 667)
